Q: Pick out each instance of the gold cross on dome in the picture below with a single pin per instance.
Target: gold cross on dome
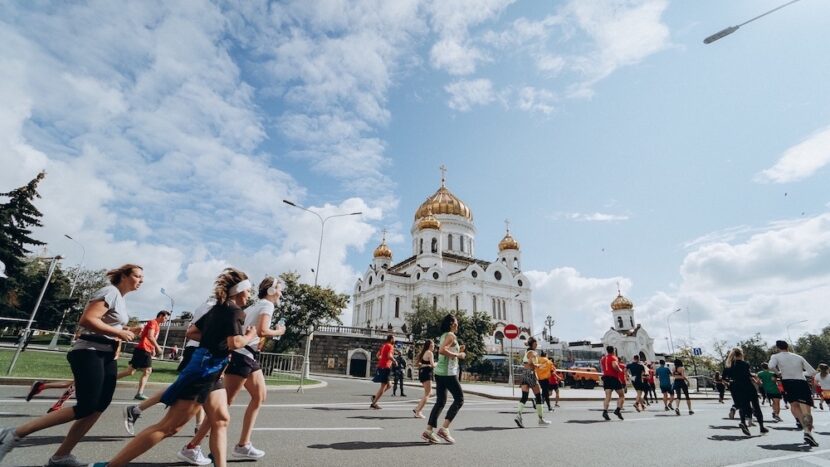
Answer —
(443, 169)
(507, 224)
(384, 235)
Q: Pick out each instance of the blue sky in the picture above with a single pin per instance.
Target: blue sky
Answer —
(622, 148)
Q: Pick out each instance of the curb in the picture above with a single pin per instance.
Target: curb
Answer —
(28, 381)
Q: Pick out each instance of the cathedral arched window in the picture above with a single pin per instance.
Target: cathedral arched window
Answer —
(516, 264)
(522, 311)
(449, 242)
(397, 307)
(435, 245)
(461, 241)
(434, 303)
(631, 318)
(456, 303)
(475, 303)
(421, 248)
(619, 322)
(494, 310)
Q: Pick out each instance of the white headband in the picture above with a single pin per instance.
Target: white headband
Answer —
(240, 287)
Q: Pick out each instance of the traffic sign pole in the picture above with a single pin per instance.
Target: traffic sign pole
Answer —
(511, 331)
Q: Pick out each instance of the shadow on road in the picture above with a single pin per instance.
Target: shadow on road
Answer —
(338, 408)
(362, 445)
(794, 447)
(785, 428)
(729, 437)
(489, 428)
(47, 440)
(14, 415)
(370, 417)
(586, 422)
(724, 427)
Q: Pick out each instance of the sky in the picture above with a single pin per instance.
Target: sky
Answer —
(624, 151)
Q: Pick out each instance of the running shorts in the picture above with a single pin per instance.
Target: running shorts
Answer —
(640, 385)
(242, 365)
(186, 355)
(141, 359)
(774, 395)
(382, 375)
(664, 389)
(529, 378)
(425, 374)
(611, 383)
(798, 390)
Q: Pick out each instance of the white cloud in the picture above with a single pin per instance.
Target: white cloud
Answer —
(532, 99)
(800, 161)
(591, 216)
(466, 94)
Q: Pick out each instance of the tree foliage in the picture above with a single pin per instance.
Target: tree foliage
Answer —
(815, 348)
(756, 351)
(425, 322)
(303, 306)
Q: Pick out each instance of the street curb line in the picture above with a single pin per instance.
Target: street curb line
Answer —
(28, 381)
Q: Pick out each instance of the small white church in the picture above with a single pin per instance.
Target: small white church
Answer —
(443, 269)
(628, 337)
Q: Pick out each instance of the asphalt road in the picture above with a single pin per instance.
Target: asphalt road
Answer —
(334, 426)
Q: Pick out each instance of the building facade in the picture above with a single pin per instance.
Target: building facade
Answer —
(626, 335)
(442, 268)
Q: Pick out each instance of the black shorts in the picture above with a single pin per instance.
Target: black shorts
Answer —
(186, 355)
(797, 390)
(666, 389)
(382, 375)
(242, 365)
(774, 395)
(640, 385)
(141, 359)
(611, 384)
(425, 374)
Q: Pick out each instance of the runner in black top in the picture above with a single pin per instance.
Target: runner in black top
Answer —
(637, 369)
(743, 389)
(426, 365)
(218, 332)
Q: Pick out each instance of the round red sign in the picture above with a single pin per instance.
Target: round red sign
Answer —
(511, 331)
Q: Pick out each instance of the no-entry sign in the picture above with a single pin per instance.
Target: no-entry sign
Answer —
(511, 331)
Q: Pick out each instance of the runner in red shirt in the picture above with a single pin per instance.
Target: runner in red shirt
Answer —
(144, 351)
(385, 363)
(611, 374)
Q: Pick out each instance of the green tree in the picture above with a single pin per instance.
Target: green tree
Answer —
(302, 306)
(756, 351)
(815, 348)
(425, 323)
(17, 216)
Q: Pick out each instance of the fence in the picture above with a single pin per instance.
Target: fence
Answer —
(281, 368)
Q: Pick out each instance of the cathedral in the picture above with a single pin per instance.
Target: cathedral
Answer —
(629, 338)
(442, 268)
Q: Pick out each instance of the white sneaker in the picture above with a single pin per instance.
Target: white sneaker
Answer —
(193, 456)
(66, 461)
(7, 441)
(248, 452)
(543, 422)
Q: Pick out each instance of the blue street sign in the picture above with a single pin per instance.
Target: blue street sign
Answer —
(697, 351)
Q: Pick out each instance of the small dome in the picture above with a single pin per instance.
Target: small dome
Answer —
(383, 251)
(621, 303)
(429, 222)
(508, 243)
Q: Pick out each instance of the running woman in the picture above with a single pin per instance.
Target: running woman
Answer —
(446, 379)
(529, 382)
(554, 383)
(771, 389)
(93, 364)
(385, 362)
(681, 385)
(219, 332)
(611, 372)
(543, 372)
(426, 365)
(636, 370)
(144, 352)
(664, 377)
(793, 368)
(651, 392)
(743, 390)
(244, 369)
(823, 379)
(720, 385)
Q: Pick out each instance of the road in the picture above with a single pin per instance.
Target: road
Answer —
(334, 426)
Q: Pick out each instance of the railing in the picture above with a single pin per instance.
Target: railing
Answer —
(284, 368)
(355, 331)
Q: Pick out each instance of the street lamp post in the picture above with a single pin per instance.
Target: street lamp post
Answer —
(306, 364)
(167, 327)
(668, 325)
(28, 329)
(788, 331)
(54, 343)
(725, 32)
(549, 322)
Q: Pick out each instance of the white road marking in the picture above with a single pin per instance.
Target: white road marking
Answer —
(816, 461)
(345, 428)
(770, 460)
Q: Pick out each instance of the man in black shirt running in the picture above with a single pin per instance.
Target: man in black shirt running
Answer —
(636, 369)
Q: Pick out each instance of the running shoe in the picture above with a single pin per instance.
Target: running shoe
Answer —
(444, 434)
(808, 438)
(636, 407)
(750, 423)
(130, 417)
(691, 412)
(666, 408)
(543, 422)
(193, 456)
(7, 441)
(732, 413)
(248, 452)
(677, 411)
(618, 413)
(66, 461)
(374, 406)
(98, 464)
(429, 437)
(764, 430)
(37, 388)
(140, 397)
(418, 414)
(798, 425)
(556, 405)
(744, 428)
(776, 418)
(605, 415)
(518, 421)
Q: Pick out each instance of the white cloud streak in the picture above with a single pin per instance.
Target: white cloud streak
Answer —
(800, 161)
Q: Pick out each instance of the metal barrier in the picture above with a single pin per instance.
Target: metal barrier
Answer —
(284, 368)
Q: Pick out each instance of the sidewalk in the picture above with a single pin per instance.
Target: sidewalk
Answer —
(505, 392)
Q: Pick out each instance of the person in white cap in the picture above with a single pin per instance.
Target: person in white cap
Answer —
(219, 332)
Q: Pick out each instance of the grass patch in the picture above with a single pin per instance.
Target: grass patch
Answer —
(53, 365)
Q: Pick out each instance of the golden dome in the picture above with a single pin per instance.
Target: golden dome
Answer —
(621, 303)
(443, 202)
(508, 243)
(429, 221)
(383, 251)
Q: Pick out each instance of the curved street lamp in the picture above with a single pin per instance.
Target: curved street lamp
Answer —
(668, 325)
(725, 32)
(53, 344)
(788, 331)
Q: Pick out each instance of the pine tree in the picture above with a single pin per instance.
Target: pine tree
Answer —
(17, 217)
